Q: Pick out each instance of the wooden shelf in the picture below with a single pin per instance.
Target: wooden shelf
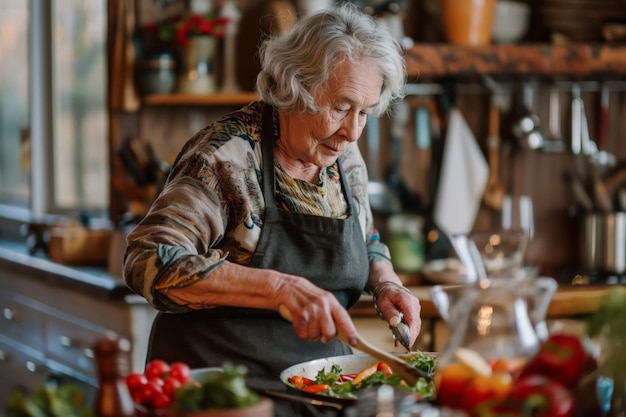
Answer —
(219, 99)
(440, 60)
(445, 60)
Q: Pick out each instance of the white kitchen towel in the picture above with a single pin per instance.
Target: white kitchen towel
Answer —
(463, 178)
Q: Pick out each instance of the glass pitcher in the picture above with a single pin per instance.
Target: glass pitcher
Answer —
(497, 318)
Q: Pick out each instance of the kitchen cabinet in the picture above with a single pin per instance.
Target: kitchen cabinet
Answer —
(51, 316)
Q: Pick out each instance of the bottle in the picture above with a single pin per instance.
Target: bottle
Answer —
(113, 399)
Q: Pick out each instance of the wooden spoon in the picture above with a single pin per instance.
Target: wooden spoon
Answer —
(494, 190)
(409, 373)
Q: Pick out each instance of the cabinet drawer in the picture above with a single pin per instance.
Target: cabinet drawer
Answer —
(71, 343)
(21, 323)
(19, 370)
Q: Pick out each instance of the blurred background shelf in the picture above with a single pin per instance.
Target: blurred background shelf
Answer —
(577, 59)
(219, 99)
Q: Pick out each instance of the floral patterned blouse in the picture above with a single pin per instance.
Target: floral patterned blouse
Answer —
(211, 208)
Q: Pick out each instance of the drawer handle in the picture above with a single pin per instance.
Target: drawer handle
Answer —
(89, 353)
(66, 341)
(9, 314)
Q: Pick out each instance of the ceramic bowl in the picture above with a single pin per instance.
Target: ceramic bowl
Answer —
(511, 21)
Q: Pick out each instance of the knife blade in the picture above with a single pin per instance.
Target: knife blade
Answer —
(401, 331)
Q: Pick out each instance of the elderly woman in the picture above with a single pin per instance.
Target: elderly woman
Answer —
(268, 207)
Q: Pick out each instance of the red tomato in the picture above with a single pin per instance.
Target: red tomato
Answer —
(135, 382)
(149, 392)
(170, 385)
(180, 371)
(451, 380)
(161, 401)
(382, 366)
(157, 381)
(297, 381)
(157, 368)
(482, 388)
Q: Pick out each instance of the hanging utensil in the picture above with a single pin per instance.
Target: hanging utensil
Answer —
(381, 197)
(554, 142)
(494, 191)
(408, 372)
(526, 129)
(576, 144)
(423, 143)
(602, 158)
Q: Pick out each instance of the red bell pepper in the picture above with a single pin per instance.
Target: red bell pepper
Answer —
(542, 397)
(561, 358)
(534, 396)
(316, 389)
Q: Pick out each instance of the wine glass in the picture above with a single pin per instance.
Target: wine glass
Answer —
(501, 251)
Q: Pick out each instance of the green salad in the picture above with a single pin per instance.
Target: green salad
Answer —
(336, 383)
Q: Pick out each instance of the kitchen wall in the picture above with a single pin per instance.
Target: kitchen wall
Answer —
(540, 175)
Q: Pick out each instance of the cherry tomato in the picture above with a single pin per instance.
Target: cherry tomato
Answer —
(170, 385)
(161, 401)
(297, 381)
(135, 382)
(157, 368)
(180, 371)
(156, 380)
(149, 392)
(382, 366)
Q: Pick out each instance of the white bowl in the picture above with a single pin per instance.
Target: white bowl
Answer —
(511, 21)
(444, 271)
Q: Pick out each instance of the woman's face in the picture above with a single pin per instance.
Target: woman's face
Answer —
(350, 95)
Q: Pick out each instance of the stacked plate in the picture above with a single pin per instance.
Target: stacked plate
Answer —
(580, 20)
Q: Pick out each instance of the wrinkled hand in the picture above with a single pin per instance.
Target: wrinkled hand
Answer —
(396, 300)
(315, 313)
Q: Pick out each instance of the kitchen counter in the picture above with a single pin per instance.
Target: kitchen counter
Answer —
(94, 283)
(569, 301)
(93, 280)
(51, 315)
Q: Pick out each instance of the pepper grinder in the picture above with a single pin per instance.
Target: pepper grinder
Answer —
(113, 399)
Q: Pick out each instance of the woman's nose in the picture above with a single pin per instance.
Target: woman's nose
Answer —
(352, 127)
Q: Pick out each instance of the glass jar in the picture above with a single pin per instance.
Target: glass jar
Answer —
(156, 73)
(406, 242)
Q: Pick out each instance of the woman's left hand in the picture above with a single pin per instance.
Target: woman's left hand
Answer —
(395, 300)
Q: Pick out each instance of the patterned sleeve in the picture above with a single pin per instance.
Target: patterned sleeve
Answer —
(178, 242)
(356, 171)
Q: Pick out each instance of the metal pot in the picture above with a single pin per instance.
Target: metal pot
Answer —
(604, 243)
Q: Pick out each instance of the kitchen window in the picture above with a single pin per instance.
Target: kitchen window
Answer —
(53, 108)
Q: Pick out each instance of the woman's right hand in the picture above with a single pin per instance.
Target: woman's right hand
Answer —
(315, 313)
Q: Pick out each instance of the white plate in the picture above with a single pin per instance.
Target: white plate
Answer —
(444, 271)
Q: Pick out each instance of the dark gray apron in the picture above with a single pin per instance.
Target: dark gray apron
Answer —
(330, 253)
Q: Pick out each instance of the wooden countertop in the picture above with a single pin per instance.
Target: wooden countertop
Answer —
(93, 280)
(568, 301)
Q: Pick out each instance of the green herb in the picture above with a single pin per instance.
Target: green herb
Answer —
(609, 325)
(218, 390)
(49, 400)
(348, 390)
